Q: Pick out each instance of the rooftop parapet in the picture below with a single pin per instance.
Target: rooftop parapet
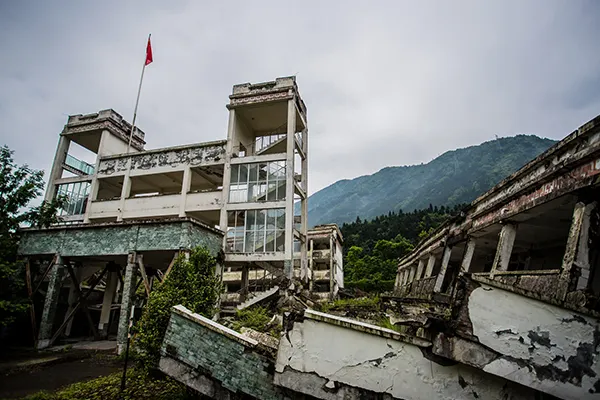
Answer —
(92, 125)
(279, 89)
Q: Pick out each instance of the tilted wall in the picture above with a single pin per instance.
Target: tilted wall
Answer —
(330, 361)
(198, 352)
(539, 345)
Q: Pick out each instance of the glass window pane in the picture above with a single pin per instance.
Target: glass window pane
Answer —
(253, 168)
(250, 220)
(272, 192)
(249, 242)
(243, 173)
(281, 190)
(280, 218)
(235, 170)
(280, 241)
(270, 242)
(262, 172)
(261, 216)
(271, 219)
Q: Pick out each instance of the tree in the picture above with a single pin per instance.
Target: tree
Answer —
(18, 186)
(191, 283)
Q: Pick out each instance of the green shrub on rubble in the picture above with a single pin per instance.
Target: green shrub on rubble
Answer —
(140, 385)
(255, 318)
(191, 283)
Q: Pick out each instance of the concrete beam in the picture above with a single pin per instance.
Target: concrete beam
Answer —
(430, 265)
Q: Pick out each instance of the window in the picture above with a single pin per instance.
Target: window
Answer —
(257, 182)
(77, 196)
(256, 231)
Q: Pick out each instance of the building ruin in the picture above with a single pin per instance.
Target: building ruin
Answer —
(130, 213)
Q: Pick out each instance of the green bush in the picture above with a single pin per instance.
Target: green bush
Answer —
(361, 302)
(255, 318)
(191, 283)
(140, 385)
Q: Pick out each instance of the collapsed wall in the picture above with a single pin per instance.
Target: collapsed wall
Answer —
(321, 356)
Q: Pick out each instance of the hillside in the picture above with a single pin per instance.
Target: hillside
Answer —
(457, 176)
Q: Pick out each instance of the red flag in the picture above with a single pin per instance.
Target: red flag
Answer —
(148, 52)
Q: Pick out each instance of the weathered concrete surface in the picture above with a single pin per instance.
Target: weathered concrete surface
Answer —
(194, 344)
(50, 302)
(119, 238)
(540, 345)
(330, 361)
(173, 158)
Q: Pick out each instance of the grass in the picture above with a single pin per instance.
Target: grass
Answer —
(140, 385)
(361, 302)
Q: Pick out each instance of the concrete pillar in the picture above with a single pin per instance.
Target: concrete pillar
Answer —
(469, 251)
(245, 282)
(186, 184)
(125, 191)
(411, 273)
(504, 249)
(72, 300)
(57, 166)
(50, 302)
(404, 277)
(107, 302)
(227, 176)
(439, 282)
(420, 269)
(582, 258)
(126, 302)
(304, 215)
(289, 193)
(397, 282)
(430, 265)
(311, 268)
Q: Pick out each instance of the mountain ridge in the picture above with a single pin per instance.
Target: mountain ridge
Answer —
(456, 176)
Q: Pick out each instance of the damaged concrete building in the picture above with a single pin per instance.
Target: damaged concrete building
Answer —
(501, 302)
(512, 286)
(132, 211)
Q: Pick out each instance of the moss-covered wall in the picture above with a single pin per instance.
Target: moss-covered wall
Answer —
(119, 238)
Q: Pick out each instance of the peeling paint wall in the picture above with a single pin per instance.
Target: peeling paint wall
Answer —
(328, 361)
(539, 345)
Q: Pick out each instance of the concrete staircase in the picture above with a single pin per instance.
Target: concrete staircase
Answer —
(258, 297)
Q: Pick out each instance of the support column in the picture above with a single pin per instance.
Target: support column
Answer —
(186, 184)
(420, 269)
(582, 259)
(469, 251)
(304, 213)
(288, 264)
(125, 190)
(245, 282)
(57, 166)
(311, 266)
(504, 249)
(109, 294)
(404, 277)
(411, 273)
(126, 302)
(50, 302)
(430, 265)
(72, 300)
(439, 282)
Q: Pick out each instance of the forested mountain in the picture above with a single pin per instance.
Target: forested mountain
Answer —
(455, 177)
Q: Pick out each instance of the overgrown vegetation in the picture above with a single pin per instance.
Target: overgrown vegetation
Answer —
(371, 303)
(256, 318)
(372, 248)
(191, 283)
(19, 185)
(140, 385)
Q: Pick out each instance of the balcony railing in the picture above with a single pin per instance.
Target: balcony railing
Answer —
(77, 166)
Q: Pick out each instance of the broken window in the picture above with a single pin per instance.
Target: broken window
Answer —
(256, 231)
(257, 182)
(77, 196)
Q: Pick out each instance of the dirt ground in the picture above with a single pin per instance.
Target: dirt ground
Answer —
(56, 373)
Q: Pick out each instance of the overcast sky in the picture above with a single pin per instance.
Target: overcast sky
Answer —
(385, 83)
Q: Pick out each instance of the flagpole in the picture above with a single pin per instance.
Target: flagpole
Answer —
(137, 101)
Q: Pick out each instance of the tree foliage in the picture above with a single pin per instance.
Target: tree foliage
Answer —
(19, 185)
(191, 283)
(373, 247)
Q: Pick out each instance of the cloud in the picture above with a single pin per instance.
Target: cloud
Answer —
(385, 83)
